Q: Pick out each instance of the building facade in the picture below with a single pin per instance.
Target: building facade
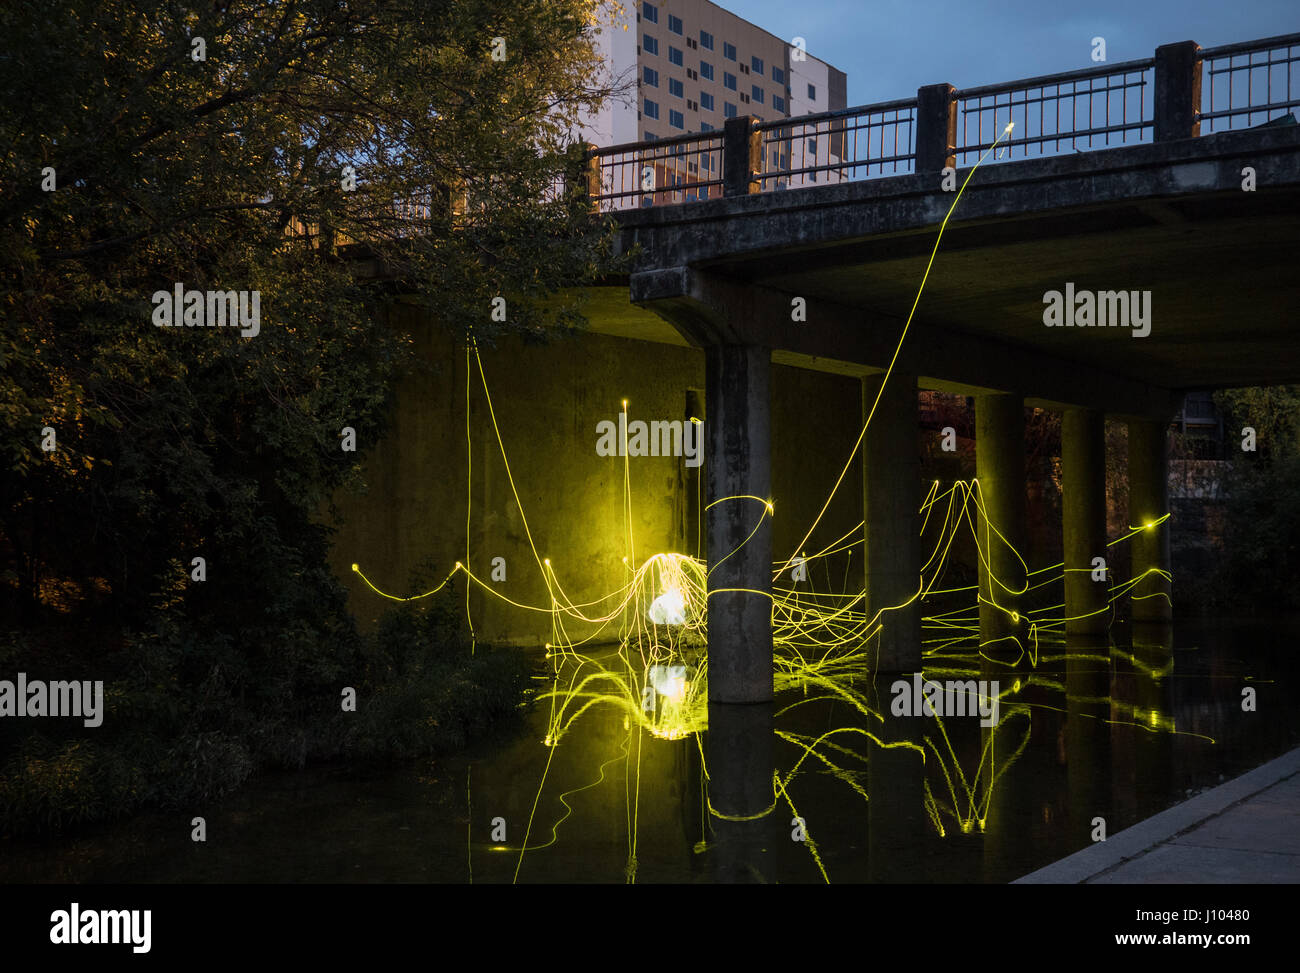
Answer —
(689, 65)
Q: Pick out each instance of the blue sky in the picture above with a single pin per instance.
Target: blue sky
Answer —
(889, 48)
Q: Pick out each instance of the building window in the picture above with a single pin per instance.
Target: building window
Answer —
(728, 109)
(778, 75)
(778, 103)
(757, 94)
(650, 136)
(812, 148)
(651, 109)
(650, 76)
(676, 119)
(706, 70)
(812, 92)
(650, 12)
(706, 40)
(728, 80)
(674, 56)
(706, 127)
(757, 62)
(729, 51)
(706, 100)
(675, 87)
(674, 24)
(650, 44)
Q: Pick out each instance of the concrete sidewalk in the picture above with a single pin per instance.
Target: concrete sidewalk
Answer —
(1246, 831)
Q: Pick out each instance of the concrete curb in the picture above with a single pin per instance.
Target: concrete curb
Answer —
(1146, 835)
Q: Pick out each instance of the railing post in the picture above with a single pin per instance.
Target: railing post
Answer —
(742, 156)
(1178, 91)
(936, 127)
(582, 173)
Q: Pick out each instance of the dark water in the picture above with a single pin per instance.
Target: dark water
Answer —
(1118, 732)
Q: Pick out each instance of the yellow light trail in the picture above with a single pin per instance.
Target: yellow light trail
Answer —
(658, 675)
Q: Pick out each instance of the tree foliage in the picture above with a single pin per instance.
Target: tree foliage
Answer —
(233, 172)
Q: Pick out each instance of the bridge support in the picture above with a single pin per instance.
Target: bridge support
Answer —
(1148, 501)
(1000, 469)
(891, 471)
(1083, 514)
(738, 432)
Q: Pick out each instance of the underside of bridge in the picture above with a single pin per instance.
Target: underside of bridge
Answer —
(1207, 265)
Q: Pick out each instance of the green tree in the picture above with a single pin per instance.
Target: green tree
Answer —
(1261, 534)
(128, 164)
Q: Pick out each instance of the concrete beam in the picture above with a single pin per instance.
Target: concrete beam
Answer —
(708, 308)
(798, 221)
(891, 476)
(1083, 516)
(1000, 469)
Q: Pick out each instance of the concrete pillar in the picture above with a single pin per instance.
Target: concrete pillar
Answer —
(1089, 761)
(738, 454)
(936, 127)
(742, 156)
(891, 473)
(582, 171)
(1083, 519)
(1177, 103)
(1148, 501)
(743, 838)
(1000, 469)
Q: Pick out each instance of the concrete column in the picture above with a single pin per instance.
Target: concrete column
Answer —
(1177, 103)
(1000, 469)
(743, 838)
(891, 473)
(1083, 518)
(742, 156)
(936, 127)
(1148, 501)
(738, 455)
(582, 170)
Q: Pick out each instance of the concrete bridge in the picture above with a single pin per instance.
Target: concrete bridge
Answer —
(1175, 178)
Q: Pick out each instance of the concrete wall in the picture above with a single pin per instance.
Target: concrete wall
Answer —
(548, 400)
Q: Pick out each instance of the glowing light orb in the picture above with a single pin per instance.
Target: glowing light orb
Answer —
(668, 609)
(668, 681)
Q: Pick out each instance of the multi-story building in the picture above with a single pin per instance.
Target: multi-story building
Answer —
(688, 65)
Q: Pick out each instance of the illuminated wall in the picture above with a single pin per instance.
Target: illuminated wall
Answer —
(547, 401)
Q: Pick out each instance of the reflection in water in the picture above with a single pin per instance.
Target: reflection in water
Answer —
(758, 763)
(833, 739)
(831, 775)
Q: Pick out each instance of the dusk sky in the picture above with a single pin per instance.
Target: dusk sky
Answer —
(889, 49)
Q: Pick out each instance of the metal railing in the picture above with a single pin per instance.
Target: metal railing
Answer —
(1180, 92)
(672, 170)
(836, 146)
(1230, 85)
(1108, 104)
